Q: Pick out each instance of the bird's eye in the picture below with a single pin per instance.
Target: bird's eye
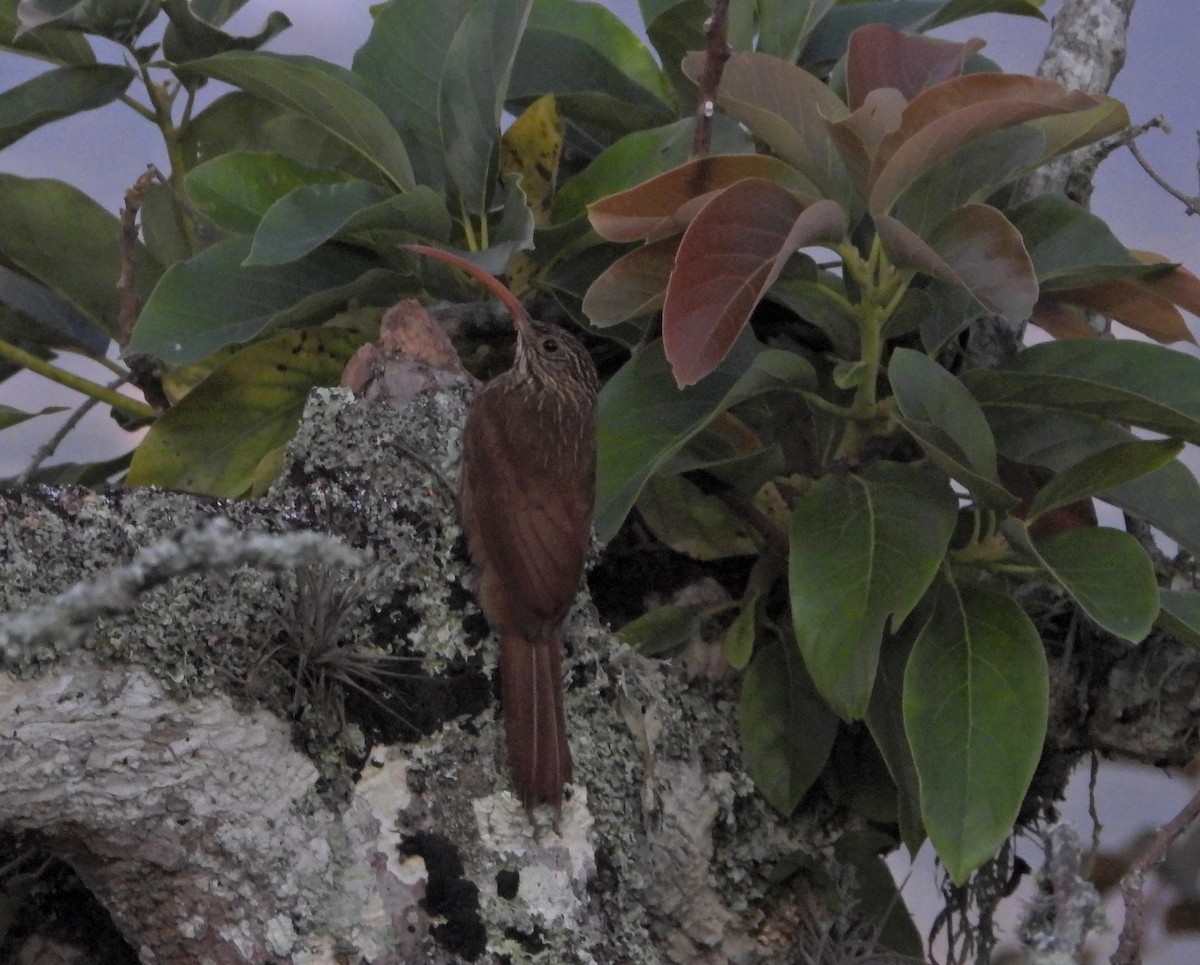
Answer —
(550, 345)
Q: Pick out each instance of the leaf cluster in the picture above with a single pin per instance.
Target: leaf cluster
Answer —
(809, 405)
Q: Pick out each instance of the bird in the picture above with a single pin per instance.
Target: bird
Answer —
(525, 500)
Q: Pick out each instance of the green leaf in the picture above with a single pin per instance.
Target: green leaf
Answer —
(47, 43)
(60, 323)
(739, 638)
(1106, 572)
(473, 86)
(1180, 616)
(784, 25)
(1071, 247)
(787, 731)
(961, 9)
(885, 720)
(819, 305)
(599, 71)
(863, 549)
(1103, 471)
(644, 419)
(976, 671)
(638, 156)
(947, 423)
(877, 895)
(692, 522)
(212, 301)
(235, 190)
(197, 447)
(319, 92)
(119, 20)
(674, 29)
(1168, 499)
(10, 417)
(402, 64)
(662, 629)
(57, 94)
(1146, 385)
(59, 236)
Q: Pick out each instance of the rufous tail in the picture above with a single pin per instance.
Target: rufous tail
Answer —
(532, 696)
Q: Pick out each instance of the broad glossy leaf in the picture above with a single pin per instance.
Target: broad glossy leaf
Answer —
(62, 238)
(236, 189)
(882, 56)
(60, 322)
(665, 204)
(1134, 302)
(402, 64)
(1066, 132)
(471, 101)
(949, 116)
(731, 253)
(119, 20)
(197, 447)
(787, 730)
(644, 419)
(56, 94)
(877, 895)
(824, 307)
(864, 549)
(640, 155)
(1104, 570)
(787, 108)
(1180, 616)
(600, 71)
(674, 27)
(1069, 246)
(212, 301)
(974, 247)
(948, 424)
(164, 215)
(49, 43)
(317, 91)
(885, 720)
(693, 522)
(976, 669)
(831, 37)
(1104, 471)
(961, 9)
(632, 286)
(311, 215)
(662, 629)
(784, 25)
(1132, 382)
(1168, 499)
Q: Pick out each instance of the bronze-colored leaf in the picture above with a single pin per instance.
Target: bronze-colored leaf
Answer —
(635, 284)
(730, 255)
(880, 56)
(665, 204)
(858, 137)
(976, 248)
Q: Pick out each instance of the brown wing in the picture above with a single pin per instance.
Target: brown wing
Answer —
(526, 498)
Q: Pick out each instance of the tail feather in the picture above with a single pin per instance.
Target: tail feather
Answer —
(539, 758)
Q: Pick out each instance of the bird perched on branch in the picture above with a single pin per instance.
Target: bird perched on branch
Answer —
(525, 502)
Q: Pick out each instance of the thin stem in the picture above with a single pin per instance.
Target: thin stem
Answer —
(51, 445)
(468, 228)
(716, 55)
(123, 403)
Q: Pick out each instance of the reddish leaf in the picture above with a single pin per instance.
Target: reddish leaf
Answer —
(1066, 132)
(1136, 302)
(1059, 320)
(730, 255)
(944, 118)
(880, 56)
(1176, 283)
(857, 138)
(665, 204)
(787, 108)
(633, 285)
(976, 248)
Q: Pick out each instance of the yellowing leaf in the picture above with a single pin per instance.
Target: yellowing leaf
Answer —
(531, 148)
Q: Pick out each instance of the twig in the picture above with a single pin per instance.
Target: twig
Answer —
(743, 508)
(64, 620)
(145, 372)
(51, 445)
(1191, 203)
(716, 29)
(1129, 945)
